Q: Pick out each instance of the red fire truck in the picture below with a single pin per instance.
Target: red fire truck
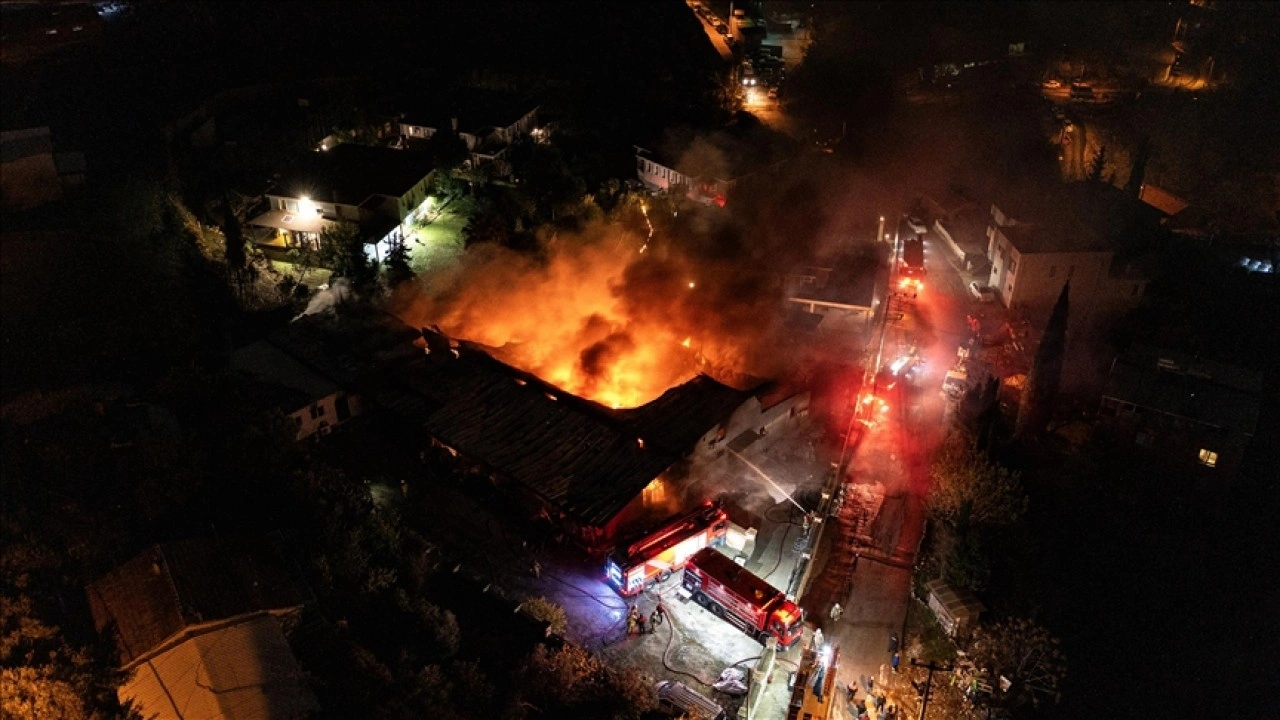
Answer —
(912, 257)
(656, 555)
(732, 593)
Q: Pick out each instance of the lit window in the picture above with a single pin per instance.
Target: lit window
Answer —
(1208, 458)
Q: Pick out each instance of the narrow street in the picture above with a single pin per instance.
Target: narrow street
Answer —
(870, 550)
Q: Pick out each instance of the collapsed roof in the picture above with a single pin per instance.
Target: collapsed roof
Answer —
(582, 458)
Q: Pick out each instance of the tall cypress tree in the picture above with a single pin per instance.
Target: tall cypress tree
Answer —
(1139, 172)
(1041, 388)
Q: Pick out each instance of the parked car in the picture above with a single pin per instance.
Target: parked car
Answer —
(917, 225)
(722, 29)
(981, 292)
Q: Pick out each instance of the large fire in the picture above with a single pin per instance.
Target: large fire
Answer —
(604, 317)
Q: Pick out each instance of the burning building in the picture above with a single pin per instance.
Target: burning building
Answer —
(595, 470)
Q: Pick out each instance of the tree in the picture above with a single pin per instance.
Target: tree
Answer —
(1026, 655)
(549, 676)
(41, 674)
(543, 609)
(1041, 389)
(233, 234)
(1098, 165)
(1138, 171)
(570, 682)
(342, 251)
(396, 269)
(442, 627)
(979, 412)
(969, 489)
(486, 226)
(966, 564)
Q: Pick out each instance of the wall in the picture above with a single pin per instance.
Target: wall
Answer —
(751, 416)
(416, 131)
(323, 414)
(656, 176)
(1033, 281)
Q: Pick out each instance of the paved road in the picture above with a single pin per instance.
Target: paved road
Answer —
(867, 562)
(718, 41)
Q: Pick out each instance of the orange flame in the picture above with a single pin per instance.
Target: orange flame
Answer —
(562, 320)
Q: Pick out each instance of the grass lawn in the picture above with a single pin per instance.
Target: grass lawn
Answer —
(438, 244)
(313, 278)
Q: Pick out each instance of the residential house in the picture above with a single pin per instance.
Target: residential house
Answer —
(487, 121)
(314, 369)
(708, 167)
(32, 173)
(1089, 233)
(660, 175)
(315, 404)
(200, 628)
(845, 296)
(382, 190)
(1187, 414)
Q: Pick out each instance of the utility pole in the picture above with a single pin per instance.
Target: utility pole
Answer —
(928, 682)
(884, 322)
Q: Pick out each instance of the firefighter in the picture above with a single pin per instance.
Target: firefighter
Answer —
(633, 620)
(661, 611)
(641, 622)
(654, 621)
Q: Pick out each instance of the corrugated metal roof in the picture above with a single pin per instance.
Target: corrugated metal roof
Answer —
(169, 587)
(244, 671)
(585, 459)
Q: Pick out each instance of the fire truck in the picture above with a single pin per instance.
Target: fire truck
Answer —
(912, 257)
(746, 601)
(655, 556)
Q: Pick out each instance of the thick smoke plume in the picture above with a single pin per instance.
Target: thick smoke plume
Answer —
(614, 316)
(604, 316)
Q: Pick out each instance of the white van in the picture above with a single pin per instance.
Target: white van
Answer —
(681, 698)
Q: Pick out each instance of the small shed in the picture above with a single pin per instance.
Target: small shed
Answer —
(956, 609)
